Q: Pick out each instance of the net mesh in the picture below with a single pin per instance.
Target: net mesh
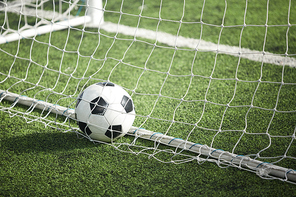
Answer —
(220, 74)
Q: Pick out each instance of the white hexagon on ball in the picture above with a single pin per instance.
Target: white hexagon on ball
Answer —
(105, 111)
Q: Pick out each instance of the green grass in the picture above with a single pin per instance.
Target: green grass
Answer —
(252, 36)
(46, 162)
(37, 161)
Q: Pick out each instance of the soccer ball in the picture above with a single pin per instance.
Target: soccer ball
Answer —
(104, 111)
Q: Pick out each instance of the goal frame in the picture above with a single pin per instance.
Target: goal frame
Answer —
(221, 157)
(93, 18)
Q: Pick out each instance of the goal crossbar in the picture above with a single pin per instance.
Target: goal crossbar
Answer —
(262, 169)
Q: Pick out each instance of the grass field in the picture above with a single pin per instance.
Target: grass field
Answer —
(214, 99)
(45, 162)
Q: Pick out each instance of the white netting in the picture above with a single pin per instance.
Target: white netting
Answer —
(210, 74)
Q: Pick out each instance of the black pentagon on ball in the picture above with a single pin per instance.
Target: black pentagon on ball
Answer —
(114, 131)
(127, 104)
(83, 127)
(79, 99)
(106, 84)
(98, 106)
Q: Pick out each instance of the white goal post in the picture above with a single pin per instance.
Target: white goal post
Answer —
(216, 155)
(58, 17)
(57, 21)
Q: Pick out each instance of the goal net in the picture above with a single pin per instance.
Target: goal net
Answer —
(211, 81)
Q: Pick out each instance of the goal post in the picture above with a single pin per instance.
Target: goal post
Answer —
(205, 85)
(216, 155)
(57, 21)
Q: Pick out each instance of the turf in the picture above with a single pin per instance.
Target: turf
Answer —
(39, 161)
(44, 162)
